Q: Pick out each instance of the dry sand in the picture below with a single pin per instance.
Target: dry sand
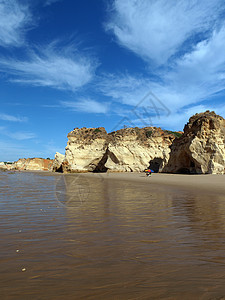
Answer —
(209, 183)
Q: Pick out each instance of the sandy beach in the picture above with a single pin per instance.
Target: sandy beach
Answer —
(209, 183)
(214, 184)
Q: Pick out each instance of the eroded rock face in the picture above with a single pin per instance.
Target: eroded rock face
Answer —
(134, 149)
(3, 166)
(125, 150)
(201, 148)
(85, 149)
(33, 164)
(57, 162)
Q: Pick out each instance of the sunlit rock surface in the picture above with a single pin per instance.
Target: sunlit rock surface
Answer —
(3, 166)
(201, 148)
(33, 164)
(125, 150)
(57, 162)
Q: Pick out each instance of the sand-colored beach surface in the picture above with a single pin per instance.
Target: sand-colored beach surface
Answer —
(209, 183)
(201, 183)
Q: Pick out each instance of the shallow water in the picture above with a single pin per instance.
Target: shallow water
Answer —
(79, 237)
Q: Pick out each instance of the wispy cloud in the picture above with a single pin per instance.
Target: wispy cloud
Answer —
(194, 80)
(50, 2)
(14, 20)
(187, 40)
(86, 106)
(53, 66)
(17, 135)
(20, 135)
(6, 117)
(155, 30)
(124, 88)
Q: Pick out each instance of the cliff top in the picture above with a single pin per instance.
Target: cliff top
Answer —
(198, 124)
(204, 122)
(143, 134)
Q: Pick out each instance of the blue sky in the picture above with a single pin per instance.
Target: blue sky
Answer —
(70, 63)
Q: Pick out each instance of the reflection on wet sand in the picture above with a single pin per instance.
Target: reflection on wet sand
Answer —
(93, 238)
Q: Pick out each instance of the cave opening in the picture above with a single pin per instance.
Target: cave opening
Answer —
(184, 170)
(59, 170)
(187, 165)
(156, 164)
(101, 168)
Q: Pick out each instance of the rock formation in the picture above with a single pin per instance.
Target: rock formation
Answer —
(129, 149)
(33, 164)
(3, 166)
(57, 162)
(85, 149)
(134, 149)
(201, 149)
(29, 164)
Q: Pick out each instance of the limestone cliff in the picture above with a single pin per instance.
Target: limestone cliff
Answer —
(129, 149)
(134, 149)
(57, 162)
(201, 148)
(85, 149)
(32, 164)
(3, 166)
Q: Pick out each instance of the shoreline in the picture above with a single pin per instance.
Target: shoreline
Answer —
(206, 183)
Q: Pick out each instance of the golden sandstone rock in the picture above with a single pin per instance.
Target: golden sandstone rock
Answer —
(201, 149)
(125, 150)
(30, 164)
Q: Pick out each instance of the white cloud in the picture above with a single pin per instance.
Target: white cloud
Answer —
(155, 30)
(17, 135)
(197, 76)
(20, 135)
(169, 108)
(125, 89)
(194, 78)
(14, 20)
(86, 106)
(177, 120)
(50, 2)
(6, 117)
(63, 69)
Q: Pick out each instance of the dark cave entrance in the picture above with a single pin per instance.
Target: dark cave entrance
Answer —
(101, 168)
(188, 165)
(156, 164)
(59, 170)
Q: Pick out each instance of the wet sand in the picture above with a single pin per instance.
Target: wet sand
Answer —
(111, 236)
(209, 183)
(212, 183)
